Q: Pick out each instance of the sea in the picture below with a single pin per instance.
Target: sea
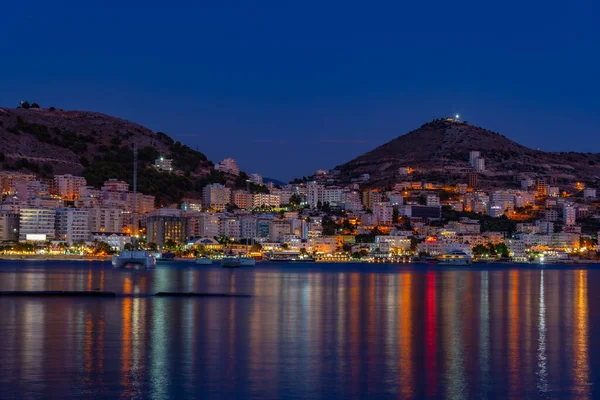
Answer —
(306, 331)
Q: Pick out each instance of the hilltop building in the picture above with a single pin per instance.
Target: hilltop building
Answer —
(229, 166)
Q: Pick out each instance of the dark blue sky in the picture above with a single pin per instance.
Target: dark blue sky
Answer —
(289, 87)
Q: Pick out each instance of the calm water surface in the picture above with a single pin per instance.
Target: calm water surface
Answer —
(308, 331)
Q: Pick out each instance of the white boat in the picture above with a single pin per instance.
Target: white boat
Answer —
(247, 262)
(134, 259)
(204, 261)
(290, 256)
(231, 262)
(455, 257)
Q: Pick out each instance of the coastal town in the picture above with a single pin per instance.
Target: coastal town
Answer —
(534, 219)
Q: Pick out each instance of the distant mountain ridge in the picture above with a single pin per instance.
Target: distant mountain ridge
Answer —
(439, 150)
(51, 141)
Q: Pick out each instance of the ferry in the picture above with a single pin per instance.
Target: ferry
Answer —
(290, 256)
(455, 257)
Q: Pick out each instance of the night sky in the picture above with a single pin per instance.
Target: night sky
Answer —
(289, 87)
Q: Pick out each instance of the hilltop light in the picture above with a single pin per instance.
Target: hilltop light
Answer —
(457, 116)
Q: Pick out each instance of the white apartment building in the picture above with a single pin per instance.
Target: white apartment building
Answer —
(479, 164)
(352, 201)
(496, 208)
(216, 196)
(68, 186)
(103, 219)
(72, 225)
(115, 185)
(263, 199)
(432, 200)
(208, 225)
(37, 223)
(230, 227)
(284, 195)
(248, 227)
(277, 229)
(473, 155)
(144, 204)
(333, 195)
(255, 178)
(314, 194)
(383, 212)
(228, 165)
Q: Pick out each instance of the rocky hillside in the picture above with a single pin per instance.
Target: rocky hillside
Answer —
(50, 141)
(439, 151)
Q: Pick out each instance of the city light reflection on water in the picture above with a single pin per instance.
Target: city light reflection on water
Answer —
(313, 331)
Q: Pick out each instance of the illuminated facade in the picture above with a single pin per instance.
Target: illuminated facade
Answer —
(37, 221)
(161, 229)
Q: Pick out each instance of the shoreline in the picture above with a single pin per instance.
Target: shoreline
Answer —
(52, 257)
(89, 258)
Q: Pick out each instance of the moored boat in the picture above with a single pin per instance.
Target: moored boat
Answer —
(231, 262)
(134, 259)
(204, 261)
(455, 257)
(247, 262)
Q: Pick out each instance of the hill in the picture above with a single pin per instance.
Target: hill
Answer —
(438, 151)
(49, 141)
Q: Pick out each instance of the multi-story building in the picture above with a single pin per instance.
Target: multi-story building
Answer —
(144, 204)
(255, 178)
(333, 195)
(569, 215)
(9, 226)
(432, 200)
(277, 229)
(461, 188)
(472, 180)
(115, 185)
(370, 197)
(163, 164)
(540, 186)
(248, 227)
(473, 155)
(105, 219)
(216, 196)
(72, 225)
(230, 227)
(314, 194)
(208, 225)
(352, 201)
(383, 212)
(242, 199)
(479, 164)
(229, 166)
(37, 224)
(68, 186)
(263, 199)
(161, 229)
